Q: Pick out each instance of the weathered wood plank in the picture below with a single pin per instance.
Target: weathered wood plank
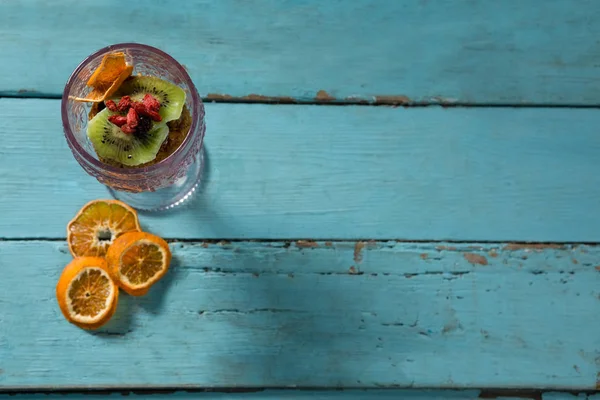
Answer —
(339, 314)
(278, 172)
(398, 394)
(392, 51)
(281, 394)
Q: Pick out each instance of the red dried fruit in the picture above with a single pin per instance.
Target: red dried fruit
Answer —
(127, 129)
(151, 103)
(132, 118)
(138, 107)
(154, 115)
(142, 110)
(118, 120)
(111, 105)
(124, 103)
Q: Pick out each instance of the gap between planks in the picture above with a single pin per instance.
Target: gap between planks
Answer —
(304, 242)
(326, 100)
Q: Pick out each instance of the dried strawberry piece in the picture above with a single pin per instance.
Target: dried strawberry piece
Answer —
(118, 120)
(138, 107)
(111, 105)
(132, 118)
(151, 103)
(124, 103)
(127, 129)
(154, 115)
(141, 109)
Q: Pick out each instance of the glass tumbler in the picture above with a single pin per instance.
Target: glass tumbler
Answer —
(163, 185)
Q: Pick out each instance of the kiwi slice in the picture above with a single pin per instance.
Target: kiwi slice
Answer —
(171, 97)
(112, 144)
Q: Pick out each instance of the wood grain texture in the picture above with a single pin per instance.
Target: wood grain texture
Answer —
(275, 395)
(279, 172)
(341, 314)
(398, 394)
(464, 51)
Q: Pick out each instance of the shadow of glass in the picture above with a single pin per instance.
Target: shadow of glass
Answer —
(190, 203)
(203, 206)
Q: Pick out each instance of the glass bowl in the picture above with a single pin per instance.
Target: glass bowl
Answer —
(163, 185)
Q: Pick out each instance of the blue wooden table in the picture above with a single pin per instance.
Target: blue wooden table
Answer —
(401, 200)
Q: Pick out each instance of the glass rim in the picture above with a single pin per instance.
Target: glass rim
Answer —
(196, 101)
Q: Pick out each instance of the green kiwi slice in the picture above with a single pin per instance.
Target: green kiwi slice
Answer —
(171, 97)
(134, 149)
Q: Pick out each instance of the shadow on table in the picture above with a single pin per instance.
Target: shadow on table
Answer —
(303, 318)
(202, 208)
(274, 313)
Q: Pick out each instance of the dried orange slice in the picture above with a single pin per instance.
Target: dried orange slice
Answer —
(109, 69)
(86, 293)
(101, 93)
(107, 78)
(97, 225)
(137, 260)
